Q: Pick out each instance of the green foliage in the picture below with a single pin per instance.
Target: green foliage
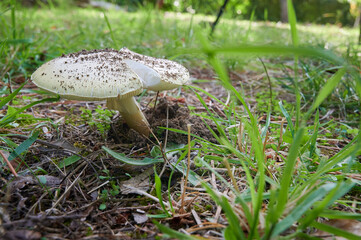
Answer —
(315, 11)
(23, 147)
(68, 161)
(136, 162)
(100, 119)
(107, 194)
(233, 231)
(158, 191)
(15, 116)
(173, 233)
(308, 200)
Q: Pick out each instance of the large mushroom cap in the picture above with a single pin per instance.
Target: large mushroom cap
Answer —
(156, 74)
(113, 75)
(101, 74)
(89, 75)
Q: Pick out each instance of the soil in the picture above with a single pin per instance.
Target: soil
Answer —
(168, 113)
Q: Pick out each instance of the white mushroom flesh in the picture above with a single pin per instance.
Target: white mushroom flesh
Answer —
(171, 74)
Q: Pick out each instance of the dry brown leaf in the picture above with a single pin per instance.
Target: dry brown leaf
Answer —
(140, 182)
(22, 181)
(349, 225)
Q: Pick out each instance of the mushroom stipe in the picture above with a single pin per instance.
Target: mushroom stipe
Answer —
(115, 76)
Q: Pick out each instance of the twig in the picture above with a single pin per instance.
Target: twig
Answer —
(207, 226)
(126, 209)
(197, 218)
(221, 10)
(101, 185)
(265, 141)
(144, 193)
(193, 199)
(234, 182)
(188, 166)
(213, 176)
(269, 82)
(166, 131)
(281, 135)
(155, 102)
(36, 203)
(240, 134)
(9, 164)
(219, 209)
(66, 191)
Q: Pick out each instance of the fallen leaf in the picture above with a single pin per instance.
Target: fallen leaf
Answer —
(349, 225)
(22, 181)
(21, 234)
(140, 218)
(66, 145)
(140, 181)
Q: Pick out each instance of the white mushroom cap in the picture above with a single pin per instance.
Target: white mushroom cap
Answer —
(156, 74)
(88, 75)
(113, 75)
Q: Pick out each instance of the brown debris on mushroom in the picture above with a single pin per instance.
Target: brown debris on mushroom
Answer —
(115, 76)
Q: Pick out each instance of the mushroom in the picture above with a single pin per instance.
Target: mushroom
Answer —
(114, 76)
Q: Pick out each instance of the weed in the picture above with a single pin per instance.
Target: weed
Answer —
(100, 119)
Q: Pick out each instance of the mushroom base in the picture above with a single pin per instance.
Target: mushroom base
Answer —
(131, 113)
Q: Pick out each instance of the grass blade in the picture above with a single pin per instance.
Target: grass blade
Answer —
(335, 231)
(336, 193)
(288, 173)
(327, 89)
(158, 191)
(314, 135)
(124, 159)
(110, 30)
(208, 94)
(173, 233)
(233, 221)
(12, 117)
(68, 161)
(11, 96)
(293, 22)
(334, 214)
(24, 146)
(301, 208)
(288, 118)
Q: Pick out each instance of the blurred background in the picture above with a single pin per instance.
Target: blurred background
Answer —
(340, 12)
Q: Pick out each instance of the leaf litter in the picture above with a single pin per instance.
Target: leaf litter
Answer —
(60, 199)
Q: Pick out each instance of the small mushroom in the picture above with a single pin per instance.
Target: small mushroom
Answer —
(115, 76)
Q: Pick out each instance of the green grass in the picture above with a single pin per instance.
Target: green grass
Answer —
(72, 30)
(283, 197)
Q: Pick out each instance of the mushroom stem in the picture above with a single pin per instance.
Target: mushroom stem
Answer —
(130, 111)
